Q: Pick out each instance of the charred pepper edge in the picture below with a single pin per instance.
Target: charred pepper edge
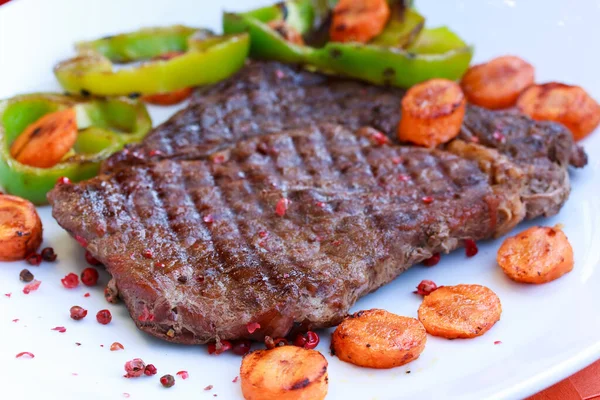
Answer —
(402, 29)
(206, 61)
(33, 183)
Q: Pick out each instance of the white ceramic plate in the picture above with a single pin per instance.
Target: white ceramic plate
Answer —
(547, 332)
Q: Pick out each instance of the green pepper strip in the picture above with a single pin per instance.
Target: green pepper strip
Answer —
(105, 127)
(371, 63)
(201, 64)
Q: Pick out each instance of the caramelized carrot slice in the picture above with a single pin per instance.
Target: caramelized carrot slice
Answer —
(432, 113)
(568, 105)
(45, 142)
(20, 228)
(537, 255)
(461, 311)
(378, 339)
(498, 83)
(284, 373)
(170, 98)
(358, 20)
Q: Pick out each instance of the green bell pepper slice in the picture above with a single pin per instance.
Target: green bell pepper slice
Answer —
(106, 126)
(372, 63)
(141, 45)
(91, 72)
(390, 66)
(436, 41)
(401, 30)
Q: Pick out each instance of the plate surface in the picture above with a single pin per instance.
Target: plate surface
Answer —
(547, 332)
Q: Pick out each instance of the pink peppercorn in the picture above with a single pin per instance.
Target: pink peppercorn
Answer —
(70, 281)
(471, 248)
(282, 206)
(433, 260)
(225, 345)
(63, 180)
(241, 347)
(134, 368)
(30, 287)
(48, 254)
(104, 317)
(183, 374)
(34, 259)
(426, 287)
(150, 370)
(81, 240)
(167, 381)
(78, 313)
(116, 346)
(308, 341)
(252, 327)
(89, 277)
(91, 259)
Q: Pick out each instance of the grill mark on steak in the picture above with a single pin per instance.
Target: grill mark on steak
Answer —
(259, 101)
(175, 197)
(369, 233)
(287, 161)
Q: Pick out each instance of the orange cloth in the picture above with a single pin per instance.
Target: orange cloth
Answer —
(584, 385)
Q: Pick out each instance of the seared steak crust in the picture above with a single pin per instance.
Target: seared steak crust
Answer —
(542, 149)
(269, 97)
(199, 248)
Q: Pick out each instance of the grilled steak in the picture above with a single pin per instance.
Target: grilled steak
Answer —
(268, 97)
(287, 230)
(195, 226)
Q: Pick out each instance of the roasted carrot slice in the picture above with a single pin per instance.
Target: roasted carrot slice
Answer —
(498, 83)
(358, 20)
(284, 373)
(537, 255)
(461, 311)
(569, 105)
(20, 228)
(378, 339)
(45, 142)
(432, 113)
(170, 98)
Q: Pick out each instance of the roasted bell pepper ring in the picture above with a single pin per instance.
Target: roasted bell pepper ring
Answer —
(207, 60)
(144, 44)
(105, 126)
(368, 62)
